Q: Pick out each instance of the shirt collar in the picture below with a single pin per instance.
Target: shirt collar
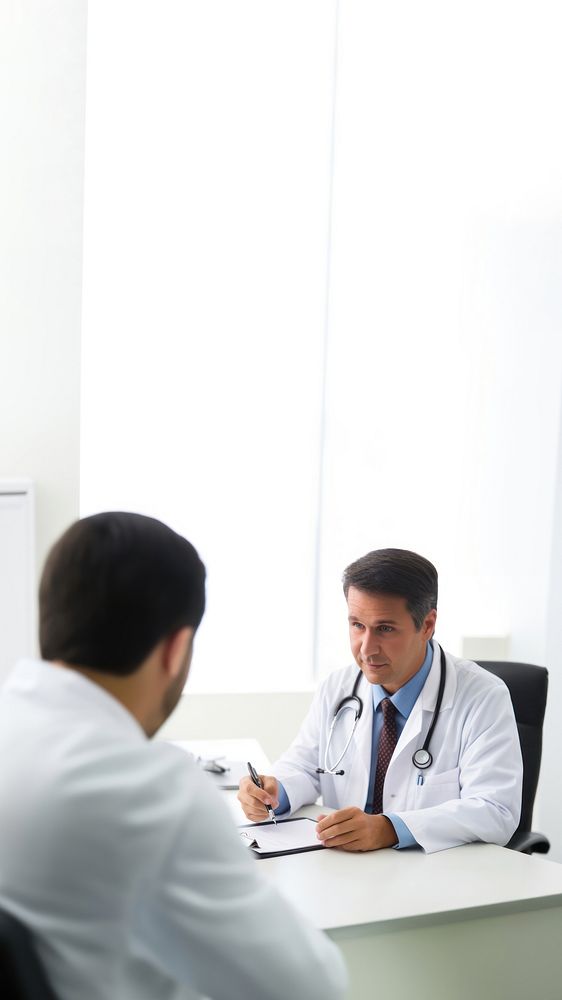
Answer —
(53, 684)
(405, 698)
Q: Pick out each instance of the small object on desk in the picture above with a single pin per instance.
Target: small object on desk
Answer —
(225, 774)
(215, 767)
(257, 781)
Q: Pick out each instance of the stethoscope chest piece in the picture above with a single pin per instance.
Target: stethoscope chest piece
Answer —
(422, 759)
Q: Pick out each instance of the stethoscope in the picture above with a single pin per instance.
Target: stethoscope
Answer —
(421, 758)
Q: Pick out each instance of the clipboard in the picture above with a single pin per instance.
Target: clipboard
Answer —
(296, 840)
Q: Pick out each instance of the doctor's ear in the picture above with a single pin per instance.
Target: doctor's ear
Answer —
(428, 626)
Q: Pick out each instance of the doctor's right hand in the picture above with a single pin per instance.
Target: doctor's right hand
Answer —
(254, 800)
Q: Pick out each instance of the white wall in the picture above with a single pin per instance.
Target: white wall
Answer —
(42, 79)
(271, 718)
(445, 346)
(18, 613)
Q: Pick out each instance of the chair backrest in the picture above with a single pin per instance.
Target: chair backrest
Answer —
(528, 686)
(21, 974)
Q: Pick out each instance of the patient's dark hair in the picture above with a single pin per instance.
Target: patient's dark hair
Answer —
(398, 572)
(113, 586)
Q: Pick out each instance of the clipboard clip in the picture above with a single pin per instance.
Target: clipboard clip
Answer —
(248, 839)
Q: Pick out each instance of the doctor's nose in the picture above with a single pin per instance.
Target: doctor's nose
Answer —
(370, 645)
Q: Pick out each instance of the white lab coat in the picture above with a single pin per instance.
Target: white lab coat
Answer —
(471, 792)
(125, 863)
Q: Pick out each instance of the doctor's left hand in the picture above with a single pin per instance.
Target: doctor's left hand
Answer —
(354, 830)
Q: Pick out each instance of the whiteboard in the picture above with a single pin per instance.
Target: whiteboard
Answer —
(17, 573)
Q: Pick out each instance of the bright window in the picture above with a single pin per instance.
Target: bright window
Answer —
(241, 243)
(207, 194)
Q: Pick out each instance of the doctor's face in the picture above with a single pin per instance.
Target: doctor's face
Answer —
(385, 643)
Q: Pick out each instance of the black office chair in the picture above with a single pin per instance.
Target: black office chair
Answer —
(21, 974)
(528, 686)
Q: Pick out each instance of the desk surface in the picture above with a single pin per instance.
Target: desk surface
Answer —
(336, 889)
(245, 750)
(475, 921)
(386, 886)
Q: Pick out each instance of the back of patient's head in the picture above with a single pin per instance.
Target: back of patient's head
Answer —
(113, 586)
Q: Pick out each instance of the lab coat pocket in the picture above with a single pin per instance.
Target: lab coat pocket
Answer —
(438, 788)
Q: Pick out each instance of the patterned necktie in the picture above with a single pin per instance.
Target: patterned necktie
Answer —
(387, 742)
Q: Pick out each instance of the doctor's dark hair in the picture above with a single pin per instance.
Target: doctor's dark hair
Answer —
(398, 572)
(113, 586)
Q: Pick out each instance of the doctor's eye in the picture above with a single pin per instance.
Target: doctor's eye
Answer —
(386, 629)
(356, 625)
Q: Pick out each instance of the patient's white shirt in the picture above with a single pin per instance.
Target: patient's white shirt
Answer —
(122, 859)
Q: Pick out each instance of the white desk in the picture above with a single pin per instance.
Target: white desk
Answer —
(474, 923)
(233, 749)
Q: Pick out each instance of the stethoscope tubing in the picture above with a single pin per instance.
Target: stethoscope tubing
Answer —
(342, 706)
(421, 758)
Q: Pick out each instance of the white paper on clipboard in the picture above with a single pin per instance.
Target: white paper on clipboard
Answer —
(289, 836)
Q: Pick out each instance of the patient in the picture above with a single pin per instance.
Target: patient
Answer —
(114, 849)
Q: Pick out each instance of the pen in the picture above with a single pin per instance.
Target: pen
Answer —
(257, 781)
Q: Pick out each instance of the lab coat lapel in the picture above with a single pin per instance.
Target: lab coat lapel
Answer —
(425, 703)
(401, 771)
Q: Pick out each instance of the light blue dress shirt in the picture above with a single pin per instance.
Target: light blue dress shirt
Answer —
(403, 700)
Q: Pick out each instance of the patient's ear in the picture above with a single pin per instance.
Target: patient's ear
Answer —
(176, 650)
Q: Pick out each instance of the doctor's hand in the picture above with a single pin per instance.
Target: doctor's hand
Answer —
(254, 800)
(355, 830)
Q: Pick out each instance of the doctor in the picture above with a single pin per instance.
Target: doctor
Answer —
(410, 745)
